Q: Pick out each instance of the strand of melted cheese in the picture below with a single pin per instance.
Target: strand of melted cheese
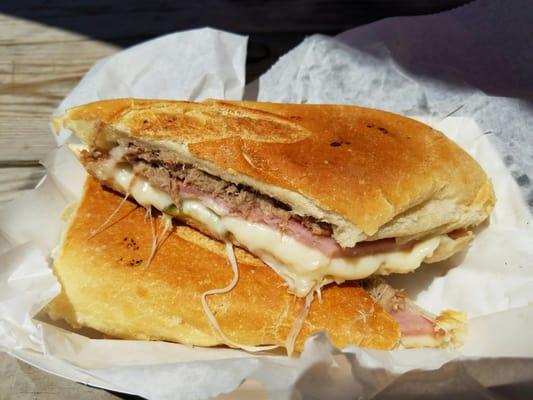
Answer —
(104, 224)
(211, 317)
(298, 323)
(157, 238)
(302, 267)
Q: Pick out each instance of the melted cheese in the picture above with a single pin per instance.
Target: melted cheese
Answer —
(196, 210)
(302, 267)
(305, 267)
(146, 195)
(298, 323)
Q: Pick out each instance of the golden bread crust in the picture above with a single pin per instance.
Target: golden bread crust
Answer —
(106, 286)
(365, 166)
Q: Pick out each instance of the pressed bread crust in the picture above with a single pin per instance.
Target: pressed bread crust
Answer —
(370, 173)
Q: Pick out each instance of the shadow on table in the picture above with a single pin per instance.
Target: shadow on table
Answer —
(274, 26)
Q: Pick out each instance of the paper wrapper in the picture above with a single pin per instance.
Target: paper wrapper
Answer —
(493, 283)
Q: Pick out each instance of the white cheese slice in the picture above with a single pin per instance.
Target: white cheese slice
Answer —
(303, 268)
(207, 217)
(308, 267)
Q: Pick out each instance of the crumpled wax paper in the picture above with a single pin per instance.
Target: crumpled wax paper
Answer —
(493, 283)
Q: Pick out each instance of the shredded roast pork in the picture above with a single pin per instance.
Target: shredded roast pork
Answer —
(164, 170)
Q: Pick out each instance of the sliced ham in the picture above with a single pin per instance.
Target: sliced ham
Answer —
(412, 323)
(413, 320)
(294, 228)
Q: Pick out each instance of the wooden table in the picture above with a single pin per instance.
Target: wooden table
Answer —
(40, 62)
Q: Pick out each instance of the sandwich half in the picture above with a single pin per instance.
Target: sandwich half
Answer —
(321, 193)
(108, 285)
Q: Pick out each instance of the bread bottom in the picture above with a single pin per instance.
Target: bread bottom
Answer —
(108, 286)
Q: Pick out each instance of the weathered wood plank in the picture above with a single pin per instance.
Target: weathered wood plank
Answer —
(21, 381)
(17, 180)
(16, 31)
(39, 65)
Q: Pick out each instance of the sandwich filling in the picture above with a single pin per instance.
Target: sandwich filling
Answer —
(418, 327)
(299, 248)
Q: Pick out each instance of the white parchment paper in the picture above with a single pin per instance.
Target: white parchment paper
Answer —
(493, 283)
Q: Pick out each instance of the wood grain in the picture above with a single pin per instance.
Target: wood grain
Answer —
(39, 65)
(17, 180)
(21, 381)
